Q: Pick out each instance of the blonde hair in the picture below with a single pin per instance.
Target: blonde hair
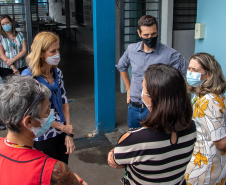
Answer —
(41, 43)
(215, 83)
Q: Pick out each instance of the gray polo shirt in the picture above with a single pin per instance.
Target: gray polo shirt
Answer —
(140, 60)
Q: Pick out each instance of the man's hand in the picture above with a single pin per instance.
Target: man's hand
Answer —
(126, 80)
(128, 96)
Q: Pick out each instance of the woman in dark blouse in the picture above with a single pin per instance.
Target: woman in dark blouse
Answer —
(159, 151)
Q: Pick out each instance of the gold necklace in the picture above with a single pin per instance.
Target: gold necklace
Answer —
(51, 75)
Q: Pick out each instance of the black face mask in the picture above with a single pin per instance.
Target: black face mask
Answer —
(150, 42)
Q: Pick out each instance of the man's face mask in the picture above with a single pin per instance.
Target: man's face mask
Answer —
(150, 42)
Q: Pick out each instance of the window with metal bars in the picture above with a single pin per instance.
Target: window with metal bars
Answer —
(130, 12)
(184, 16)
(84, 12)
(16, 10)
(43, 8)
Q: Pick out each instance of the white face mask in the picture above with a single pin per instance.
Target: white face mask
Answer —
(143, 99)
(53, 60)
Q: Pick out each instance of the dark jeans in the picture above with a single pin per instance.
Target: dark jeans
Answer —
(6, 72)
(136, 115)
(54, 147)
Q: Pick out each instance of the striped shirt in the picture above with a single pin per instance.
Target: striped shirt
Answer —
(150, 158)
(12, 48)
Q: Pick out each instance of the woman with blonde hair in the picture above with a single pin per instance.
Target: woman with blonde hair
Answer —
(42, 61)
(205, 79)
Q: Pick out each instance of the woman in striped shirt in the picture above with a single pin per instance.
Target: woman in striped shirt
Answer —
(159, 151)
(13, 48)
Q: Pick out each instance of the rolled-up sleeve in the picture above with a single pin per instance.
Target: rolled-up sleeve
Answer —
(124, 62)
(179, 62)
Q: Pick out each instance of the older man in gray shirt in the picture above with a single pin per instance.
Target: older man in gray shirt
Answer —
(141, 55)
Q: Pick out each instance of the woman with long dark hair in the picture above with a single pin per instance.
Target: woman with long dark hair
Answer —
(159, 151)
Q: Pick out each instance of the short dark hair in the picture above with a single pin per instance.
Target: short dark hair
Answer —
(147, 20)
(2, 32)
(171, 105)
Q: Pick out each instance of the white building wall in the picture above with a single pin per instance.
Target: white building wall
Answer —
(184, 42)
(167, 22)
(55, 11)
(181, 40)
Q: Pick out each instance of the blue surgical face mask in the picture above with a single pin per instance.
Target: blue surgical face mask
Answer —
(45, 125)
(194, 79)
(7, 27)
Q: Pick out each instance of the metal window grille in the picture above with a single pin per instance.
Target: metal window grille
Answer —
(79, 12)
(130, 12)
(16, 10)
(84, 12)
(43, 8)
(184, 16)
(39, 9)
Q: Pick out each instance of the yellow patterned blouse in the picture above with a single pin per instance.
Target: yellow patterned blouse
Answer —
(208, 164)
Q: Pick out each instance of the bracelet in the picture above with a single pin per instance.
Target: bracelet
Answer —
(71, 135)
(81, 181)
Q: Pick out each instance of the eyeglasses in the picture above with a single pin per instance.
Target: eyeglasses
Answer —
(36, 98)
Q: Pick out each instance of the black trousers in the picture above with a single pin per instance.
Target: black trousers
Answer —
(54, 147)
(6, 72)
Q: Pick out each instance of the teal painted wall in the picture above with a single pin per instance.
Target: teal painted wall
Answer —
(213, 14)
(104, 64)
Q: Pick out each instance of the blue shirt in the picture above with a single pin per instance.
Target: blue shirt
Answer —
(140, 60)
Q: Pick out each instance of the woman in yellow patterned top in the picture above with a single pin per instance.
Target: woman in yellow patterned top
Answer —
(208, 163)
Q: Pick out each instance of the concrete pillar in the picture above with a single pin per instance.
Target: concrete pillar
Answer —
(104, 64)
(167, 22)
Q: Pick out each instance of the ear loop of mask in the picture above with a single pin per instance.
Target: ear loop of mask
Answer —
(143, 99)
